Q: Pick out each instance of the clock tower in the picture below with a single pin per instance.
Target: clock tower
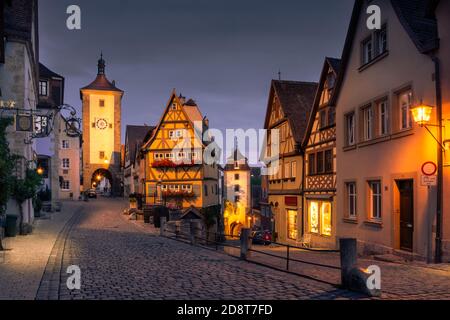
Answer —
(102, 102)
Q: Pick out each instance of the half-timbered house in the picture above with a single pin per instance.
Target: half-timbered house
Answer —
(320, 163)
(287, 115)
(176, 175)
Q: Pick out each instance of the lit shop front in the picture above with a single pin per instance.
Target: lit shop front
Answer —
(319, 220)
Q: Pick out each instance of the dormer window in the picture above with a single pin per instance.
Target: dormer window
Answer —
(43, 88)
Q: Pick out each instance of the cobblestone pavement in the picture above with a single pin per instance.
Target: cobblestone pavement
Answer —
(22, 265)
(398, 281)
(120, 260)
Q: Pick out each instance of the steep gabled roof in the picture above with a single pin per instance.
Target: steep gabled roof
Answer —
(46, 73)
(192, 114)
(134, 138)
(335, 65)
(296, 100)
(416, 17)
(419, 22)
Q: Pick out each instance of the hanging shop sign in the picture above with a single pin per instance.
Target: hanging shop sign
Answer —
(24, 123)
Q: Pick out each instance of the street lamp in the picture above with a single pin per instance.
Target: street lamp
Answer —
(422, 116)
(40, 171)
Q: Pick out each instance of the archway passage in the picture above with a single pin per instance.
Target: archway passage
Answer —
(235, 229)
(102, 182)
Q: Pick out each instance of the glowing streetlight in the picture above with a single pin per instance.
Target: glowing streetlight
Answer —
(99, 178)
(422, 114)
(40, 171)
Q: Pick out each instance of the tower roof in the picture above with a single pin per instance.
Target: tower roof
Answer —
(101, 82)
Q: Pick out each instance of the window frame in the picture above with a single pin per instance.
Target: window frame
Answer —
(41, 82)
(350, 130)
(384, 123)
(65, 163)
(367, 118)
(375, 200)
(351, 200)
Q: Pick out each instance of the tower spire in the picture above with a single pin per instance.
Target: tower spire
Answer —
(101, 64)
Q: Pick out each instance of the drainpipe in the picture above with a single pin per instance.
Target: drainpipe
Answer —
(439, 201)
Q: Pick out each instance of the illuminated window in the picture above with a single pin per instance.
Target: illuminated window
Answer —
(314, 217)
(325, 219)
(292, 224)
(320, 213)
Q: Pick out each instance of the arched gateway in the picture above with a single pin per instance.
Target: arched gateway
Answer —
(102, 130)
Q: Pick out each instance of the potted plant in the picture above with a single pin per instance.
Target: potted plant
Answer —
(133, 201)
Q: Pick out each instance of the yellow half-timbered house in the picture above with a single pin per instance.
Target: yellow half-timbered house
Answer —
(320, 163)
(287, 115)
(176, 174)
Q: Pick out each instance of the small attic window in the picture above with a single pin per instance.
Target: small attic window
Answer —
(102, 103)
(174, 106)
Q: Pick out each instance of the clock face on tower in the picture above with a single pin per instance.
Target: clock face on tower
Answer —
(102, 124)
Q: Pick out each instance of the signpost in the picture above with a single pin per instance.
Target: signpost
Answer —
(429, 177)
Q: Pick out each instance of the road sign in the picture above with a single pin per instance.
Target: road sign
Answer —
(428, 181)
(429, 168)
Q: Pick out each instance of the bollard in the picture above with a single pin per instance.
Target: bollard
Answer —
(177, 228)
(193, 225)
(246, 243)
(162, 227)
(348, 251)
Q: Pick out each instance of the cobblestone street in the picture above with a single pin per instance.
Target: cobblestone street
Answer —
(121, 259)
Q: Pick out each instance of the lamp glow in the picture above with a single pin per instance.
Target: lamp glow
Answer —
(422, 114)
(40, 171)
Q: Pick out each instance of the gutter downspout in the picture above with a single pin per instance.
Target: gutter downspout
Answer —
(440, 186)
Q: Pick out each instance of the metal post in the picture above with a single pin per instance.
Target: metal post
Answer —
(245, 242)
(287, 258)
(193, 232)
(162, 229)
(348, 251)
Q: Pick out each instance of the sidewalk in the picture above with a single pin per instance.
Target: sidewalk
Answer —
(22, 265)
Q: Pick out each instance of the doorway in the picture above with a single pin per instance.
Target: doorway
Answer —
(406, 191)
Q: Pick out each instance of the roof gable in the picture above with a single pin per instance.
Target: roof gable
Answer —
(134, 136)
(414, 16)
(296, 100)
(191, 114)
(335, 65)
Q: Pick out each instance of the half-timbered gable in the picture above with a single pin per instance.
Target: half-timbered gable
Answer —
(288, 111)
(176, 173)
(319, 144)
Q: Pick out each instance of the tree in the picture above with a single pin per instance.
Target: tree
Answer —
(6, 170)
(24, 189)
